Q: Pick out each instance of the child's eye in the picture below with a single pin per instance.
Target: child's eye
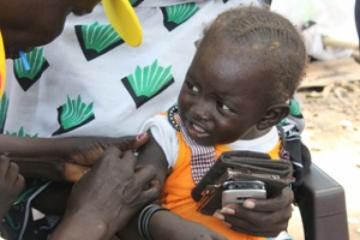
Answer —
(192, 87)
(223, 107)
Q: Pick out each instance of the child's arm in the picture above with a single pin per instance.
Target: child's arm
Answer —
(152, 154)
(11, 184)
(167, 225)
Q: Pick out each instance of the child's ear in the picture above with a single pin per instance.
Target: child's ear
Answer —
(273, 116)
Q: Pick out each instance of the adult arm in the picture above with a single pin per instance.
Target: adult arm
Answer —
(165, 225)
(11, 184)
(61, 158)
(76, 155)
(106, 197)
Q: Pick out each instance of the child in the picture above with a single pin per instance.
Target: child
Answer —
(236, 91)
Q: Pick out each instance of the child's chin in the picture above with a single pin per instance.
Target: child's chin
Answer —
(204, 141)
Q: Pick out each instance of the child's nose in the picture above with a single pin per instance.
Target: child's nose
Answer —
(202, 112)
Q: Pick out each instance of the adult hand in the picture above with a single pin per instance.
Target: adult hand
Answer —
(167, 225)
(62, 158)
(86, 150)
(11, 184)
(260, 217)
(106, 197)
(80, 153)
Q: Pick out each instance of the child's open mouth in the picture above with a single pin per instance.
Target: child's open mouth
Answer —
(197, 131)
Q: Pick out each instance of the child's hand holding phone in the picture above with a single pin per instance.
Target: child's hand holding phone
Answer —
(237, 191)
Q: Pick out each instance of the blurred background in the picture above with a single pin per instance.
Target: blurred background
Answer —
(330, 95)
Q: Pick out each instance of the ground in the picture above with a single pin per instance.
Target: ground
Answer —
(332, 132)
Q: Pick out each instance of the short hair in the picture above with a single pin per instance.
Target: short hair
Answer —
(270, 35)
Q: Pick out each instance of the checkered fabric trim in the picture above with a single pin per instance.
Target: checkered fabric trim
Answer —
(202, 157)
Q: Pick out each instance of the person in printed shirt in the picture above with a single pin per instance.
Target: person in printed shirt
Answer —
(24, 25)
(21, 29)
(245, 70)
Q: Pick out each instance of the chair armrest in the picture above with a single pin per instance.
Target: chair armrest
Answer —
(322, 205)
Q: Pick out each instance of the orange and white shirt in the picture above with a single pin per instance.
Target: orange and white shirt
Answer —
(179, 184)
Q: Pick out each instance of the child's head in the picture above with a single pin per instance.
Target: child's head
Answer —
(246, 68)
(29, 23)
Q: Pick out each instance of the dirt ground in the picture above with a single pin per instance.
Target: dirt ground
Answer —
(332, 132)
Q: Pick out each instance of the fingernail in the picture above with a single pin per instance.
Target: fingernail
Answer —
(248, 203)
(219, 216)
(140, 136)
(226, 210)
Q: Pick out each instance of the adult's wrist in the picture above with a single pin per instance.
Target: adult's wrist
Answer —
(40, 167)
(25, 147)
(81, 225)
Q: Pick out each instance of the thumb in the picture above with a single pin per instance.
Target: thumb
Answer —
(133, 143)
(73, 172)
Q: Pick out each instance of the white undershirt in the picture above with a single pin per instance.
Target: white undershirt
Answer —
(165, 135)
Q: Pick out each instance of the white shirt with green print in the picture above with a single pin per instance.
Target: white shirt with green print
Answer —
(88, 82)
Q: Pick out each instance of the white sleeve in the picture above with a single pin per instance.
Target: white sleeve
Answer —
(165, 135)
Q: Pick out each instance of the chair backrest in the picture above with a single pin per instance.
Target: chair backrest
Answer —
(322, 205)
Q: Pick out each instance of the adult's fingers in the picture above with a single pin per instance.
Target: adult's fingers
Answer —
(111, 157)
(4, 166)
(112, 152)
(273, 204)
(145, 174)
(20, 182)
(12, 173)
(150, 194)
(130, 159)
(133, 142)
(73, 172)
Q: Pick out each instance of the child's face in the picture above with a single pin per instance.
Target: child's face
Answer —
(28, 23)
(222, 98)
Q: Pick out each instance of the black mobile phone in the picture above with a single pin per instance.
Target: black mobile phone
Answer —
(236, 191)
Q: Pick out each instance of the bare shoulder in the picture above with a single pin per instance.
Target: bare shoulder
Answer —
(152, 154)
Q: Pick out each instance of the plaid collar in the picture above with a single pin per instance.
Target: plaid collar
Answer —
(202, 157)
